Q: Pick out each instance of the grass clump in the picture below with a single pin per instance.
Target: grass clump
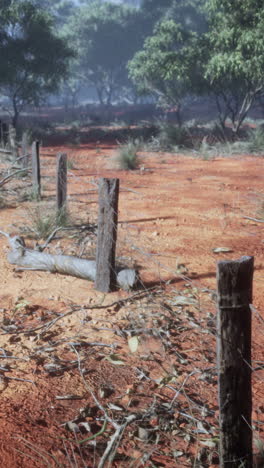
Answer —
(71, 164)
(128, 155)
(44, 222)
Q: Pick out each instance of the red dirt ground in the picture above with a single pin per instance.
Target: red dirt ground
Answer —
(173, 212)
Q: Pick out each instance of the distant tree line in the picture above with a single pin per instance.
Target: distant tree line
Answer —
(128, 51)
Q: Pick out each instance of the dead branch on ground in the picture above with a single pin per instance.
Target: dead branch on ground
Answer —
(33, 260)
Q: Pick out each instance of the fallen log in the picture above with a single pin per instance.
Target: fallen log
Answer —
(29, 259)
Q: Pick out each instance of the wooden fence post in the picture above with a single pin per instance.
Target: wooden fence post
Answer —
(61, 181)
(105, 279)
(4, 134)
(12, 142)
(36, 179)
(234, 281)
(24, 150)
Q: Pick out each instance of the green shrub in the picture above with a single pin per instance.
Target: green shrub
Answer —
(255, 142)
(170, 137)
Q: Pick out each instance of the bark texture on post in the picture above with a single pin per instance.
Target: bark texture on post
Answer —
(36, 169)
(234, 281)
(4, 134)
(24, 150)
(107, 234)
(61, 180)
(2, 144)
(12, 142)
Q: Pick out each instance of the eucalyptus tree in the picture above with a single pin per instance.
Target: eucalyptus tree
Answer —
(33, 58)
(105, 36)
(235, 66)
(171, 63)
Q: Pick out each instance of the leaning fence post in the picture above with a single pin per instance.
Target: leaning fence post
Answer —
(234, 281)
(105, 279)
(36, 182)
(61, 181)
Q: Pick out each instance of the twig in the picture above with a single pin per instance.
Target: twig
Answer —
(5, 234)
(112, 444)
(253, 219)
(42, 454)
(119, 429)
(48, 325)
(20, 380)
(49, 239)
(10, 176)
(88, 343)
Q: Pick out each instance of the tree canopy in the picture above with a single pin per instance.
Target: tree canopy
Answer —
(33, 58)
(104, 38)
(170, 64)
(235, 67)
(169, 50)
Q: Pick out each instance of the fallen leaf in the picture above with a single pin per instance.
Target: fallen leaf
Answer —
(222, 249)
(114, 359)
(133, 343)
(183, 300)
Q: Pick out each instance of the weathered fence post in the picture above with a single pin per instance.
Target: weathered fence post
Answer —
(61, 181)
(234, 281)
(4, 134)
(105, 280)
(12, 142)
(36, 182)
(24, 150)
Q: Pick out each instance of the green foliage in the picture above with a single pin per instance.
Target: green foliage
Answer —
(171, 137)
(235, 67)
(105, 37)
(256, 141)
(33, 58)
(128, 155)
(170, 64)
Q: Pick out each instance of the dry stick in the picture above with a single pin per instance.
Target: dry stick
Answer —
(105, 280)
(119, 428)
(10, 176)
(33, 260)
(37, 451)
(20, 380)
(50, 238)
(48, 325)
(234, 280)
(254, 219)
(112, 444)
